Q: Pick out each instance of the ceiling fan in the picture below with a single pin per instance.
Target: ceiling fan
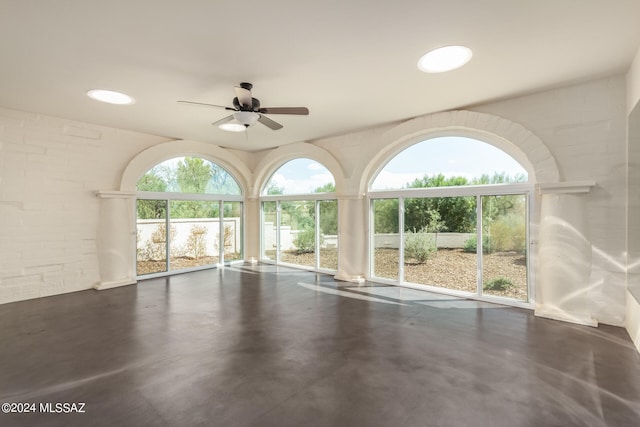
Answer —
(247, 111)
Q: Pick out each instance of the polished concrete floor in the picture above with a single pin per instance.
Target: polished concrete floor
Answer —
(268, 346)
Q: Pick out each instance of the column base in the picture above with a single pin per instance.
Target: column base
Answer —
(343, 277)
(555, 313)
(100, 286)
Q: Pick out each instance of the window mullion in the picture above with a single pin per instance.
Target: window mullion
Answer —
(401, 240)
(220, 232)
(479, 246)
(317, 228)
(167, 238)
(278, 207)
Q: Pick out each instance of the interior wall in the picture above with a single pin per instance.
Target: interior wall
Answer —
(633, 202)
(50, 169)
(584, 128)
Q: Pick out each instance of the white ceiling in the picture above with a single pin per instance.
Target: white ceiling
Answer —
(352, 63)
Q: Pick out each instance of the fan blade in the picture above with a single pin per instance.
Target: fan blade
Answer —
(223, 120)
(202, 104)
(244, 96)
(269, 123)
(303, 111)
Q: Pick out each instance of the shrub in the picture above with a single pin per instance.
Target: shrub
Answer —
(508, 233)
(498, 284)
(471, 244)
(197, 241)
(305, 241)
(419, 245)
(155, 249)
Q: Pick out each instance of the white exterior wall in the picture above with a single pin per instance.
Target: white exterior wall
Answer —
(183, 229)
(50, 169)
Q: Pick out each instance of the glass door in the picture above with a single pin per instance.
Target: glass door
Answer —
(504, 246)
(151, 237)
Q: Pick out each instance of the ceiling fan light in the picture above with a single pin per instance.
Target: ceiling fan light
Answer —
(247, 118)
(233, 126)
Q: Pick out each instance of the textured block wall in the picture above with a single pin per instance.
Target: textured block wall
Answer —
(584, 127)
(49, 171)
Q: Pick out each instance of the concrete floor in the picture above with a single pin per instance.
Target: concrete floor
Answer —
(270, 346)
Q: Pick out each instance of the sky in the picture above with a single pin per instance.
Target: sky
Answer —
(451, 156)
(301, 176)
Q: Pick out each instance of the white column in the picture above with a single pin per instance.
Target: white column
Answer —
(352, 238)
(564, 254)
(252, 229)
(116, 239)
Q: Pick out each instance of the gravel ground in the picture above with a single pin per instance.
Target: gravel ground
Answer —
(456, 269)
(448, 268)
(146, 267)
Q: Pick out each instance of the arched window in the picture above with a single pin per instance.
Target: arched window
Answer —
(449, 161)
(451, 214)
(300, 176)
(300, 216)
(189, 216)
(189, 175)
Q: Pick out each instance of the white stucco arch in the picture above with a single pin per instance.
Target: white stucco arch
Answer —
(508, 136)
(150, 157)
(278, 157)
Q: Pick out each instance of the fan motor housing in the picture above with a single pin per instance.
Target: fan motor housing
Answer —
(254, 107)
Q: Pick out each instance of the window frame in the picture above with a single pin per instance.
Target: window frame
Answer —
(477, 191)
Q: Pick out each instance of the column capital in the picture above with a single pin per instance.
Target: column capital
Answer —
(571, 187)
(115, 194)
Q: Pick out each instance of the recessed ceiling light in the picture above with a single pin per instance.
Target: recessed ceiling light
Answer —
(444, 59)
(110, 97)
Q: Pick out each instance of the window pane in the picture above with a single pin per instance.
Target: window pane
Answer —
(194, 234)
(386, 239)
(300, 176)
(151, 231)
(298, 233)
(269, 230)
(438, 242)
(189, 175)
(232, 231)
(446, 162)
(504, 259)
(328, 234)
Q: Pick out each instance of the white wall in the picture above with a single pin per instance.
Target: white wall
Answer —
(50, 169)
(633, 202)
(583, 126)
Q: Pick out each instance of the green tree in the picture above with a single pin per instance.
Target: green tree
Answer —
(193, 175)
(328, 217)
(152, 181)
(385, 215)
(456, 213)
(329, 187)
(273, 189)
(152, 209)
(328, 210)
